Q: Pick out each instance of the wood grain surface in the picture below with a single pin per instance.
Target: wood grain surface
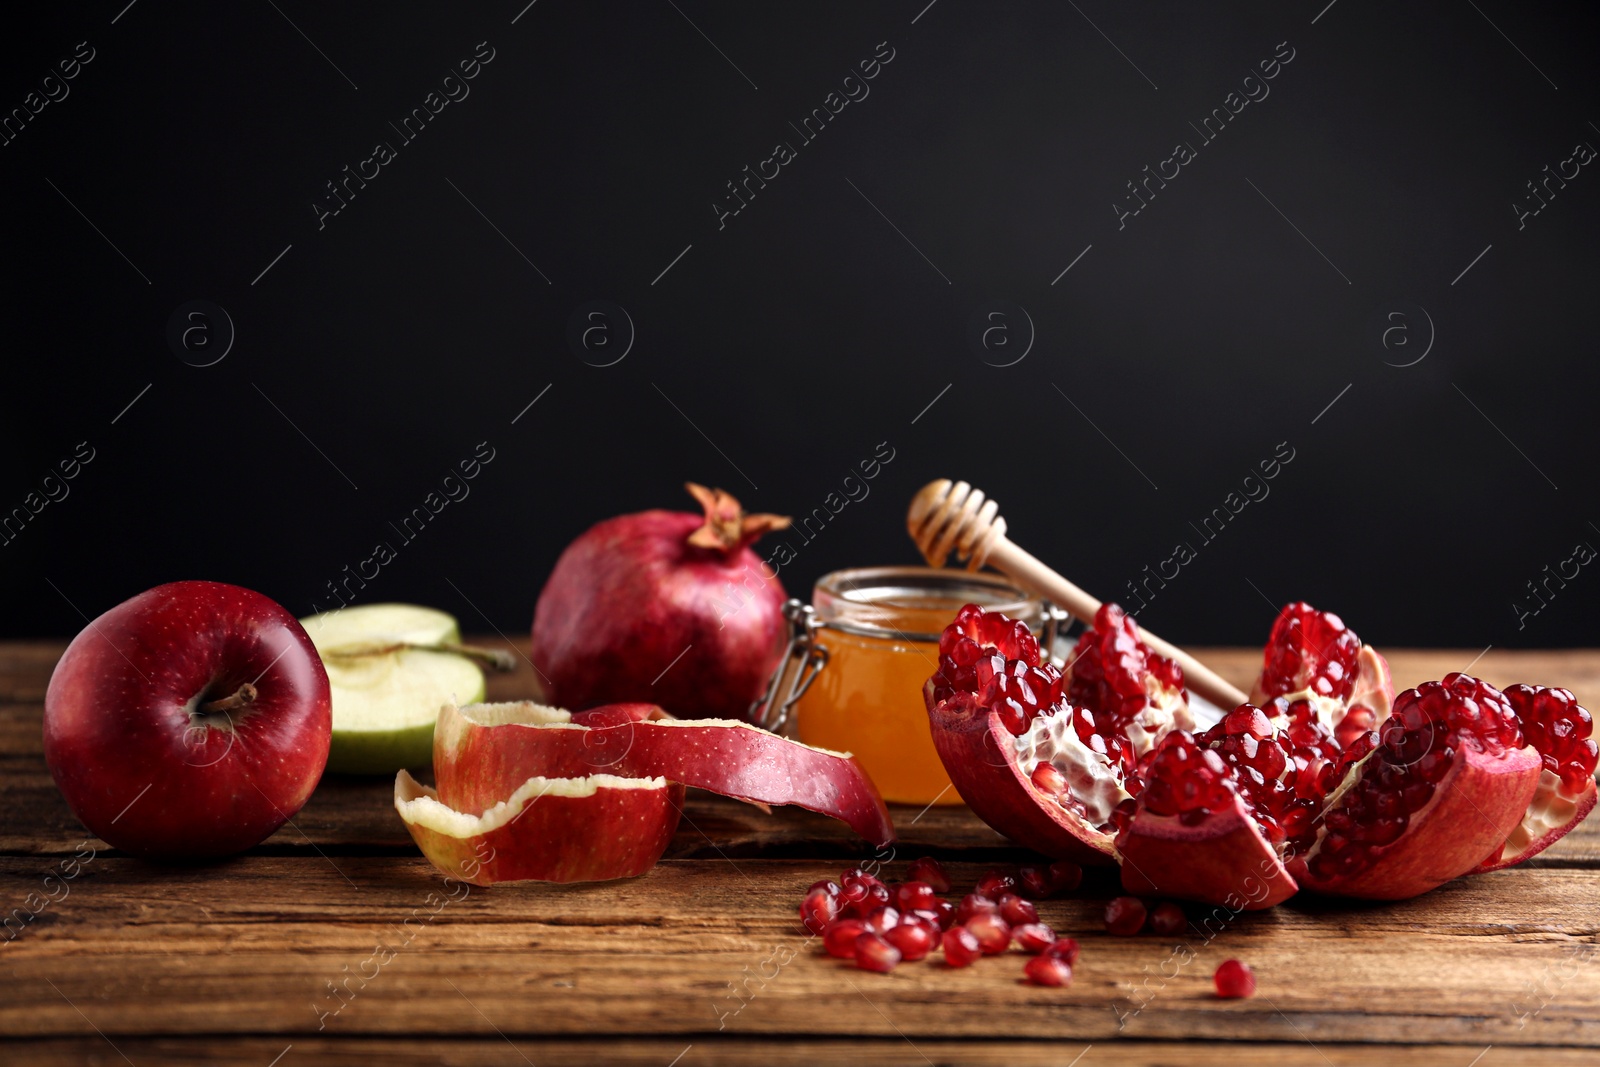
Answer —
(701, 961)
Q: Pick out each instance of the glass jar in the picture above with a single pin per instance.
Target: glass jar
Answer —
(860, 656)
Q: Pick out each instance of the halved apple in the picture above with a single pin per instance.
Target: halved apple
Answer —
(391, 668)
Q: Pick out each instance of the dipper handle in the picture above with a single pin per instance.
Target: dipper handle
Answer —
(947, 517)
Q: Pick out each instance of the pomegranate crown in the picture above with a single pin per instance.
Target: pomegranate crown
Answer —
(727, 528)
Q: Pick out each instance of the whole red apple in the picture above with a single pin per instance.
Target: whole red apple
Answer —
(191, 720)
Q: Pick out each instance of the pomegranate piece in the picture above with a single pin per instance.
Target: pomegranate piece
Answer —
(927, 870)
(992, 932)
(1066, 949)
(839, 939)
(1234, 980)
(1450, 781)
(873, 953)
(1193, 835)
(995, 883)
(1016, 911)
(912, 939)
(1048, 971)
(1558, 727)
(1033, 938)
(996, 714)
(817, 910)
(1168, 920)
(1125, 916)
(961, 948)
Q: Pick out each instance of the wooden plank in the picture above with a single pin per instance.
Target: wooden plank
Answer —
(251, 946)
(717, 1051)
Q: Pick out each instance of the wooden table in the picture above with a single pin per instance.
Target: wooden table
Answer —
(701, 961)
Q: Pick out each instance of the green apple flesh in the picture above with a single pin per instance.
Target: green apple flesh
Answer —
(387, 693)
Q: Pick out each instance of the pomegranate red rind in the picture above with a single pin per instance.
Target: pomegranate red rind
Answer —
(1551, 814)
(1559, 728)
(481, 749)
(1474, 808)
(979, 754)
(546, 829)
(1192, 834)
(1224, 860)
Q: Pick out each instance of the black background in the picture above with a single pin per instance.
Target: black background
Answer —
(780, 350)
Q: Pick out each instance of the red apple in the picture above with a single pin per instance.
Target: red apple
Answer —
(192, 720)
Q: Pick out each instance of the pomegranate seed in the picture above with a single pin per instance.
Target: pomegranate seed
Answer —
(974, 904)
(1247, 719)
(1033, 938)
(1065, 949)
(873, 953)
(927, 870)
(839, 940)
(883, 920)
(909, 896)
(996, 882)
(818, 910)
(1034, 882)
(960, 947)
(1234, 979)
(1125, 916)
(828, 885)
(874, 896)
(912, 939)
(1168, 920)
(947, 914)
(1047, 780)
(1065, 876)
(992, 932)
(1016, 911)
(1047, 970)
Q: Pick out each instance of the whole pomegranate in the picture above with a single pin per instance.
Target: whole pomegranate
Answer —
(666, 607)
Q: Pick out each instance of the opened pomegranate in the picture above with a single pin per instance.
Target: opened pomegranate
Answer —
(664, 606)
(1326, 781)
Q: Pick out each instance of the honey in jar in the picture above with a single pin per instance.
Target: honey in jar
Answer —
(880, 627)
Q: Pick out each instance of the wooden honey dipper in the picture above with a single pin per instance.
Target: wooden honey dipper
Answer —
(948, 516)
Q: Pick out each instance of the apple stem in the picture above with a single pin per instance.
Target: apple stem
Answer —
(494, 658)
(242, 697)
